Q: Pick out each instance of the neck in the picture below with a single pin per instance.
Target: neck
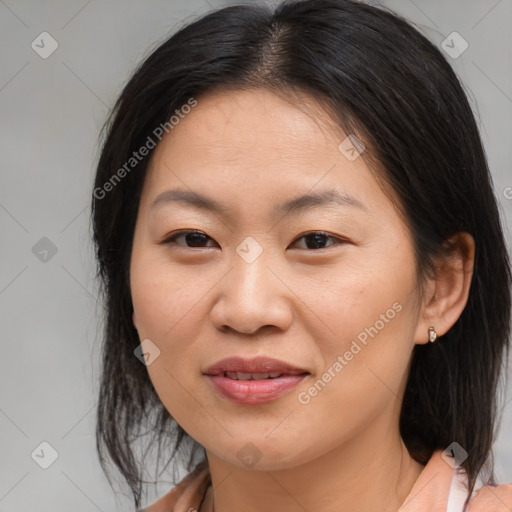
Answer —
(364, 474)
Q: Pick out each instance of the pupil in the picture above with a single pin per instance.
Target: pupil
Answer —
(317, 237)
(195, 238)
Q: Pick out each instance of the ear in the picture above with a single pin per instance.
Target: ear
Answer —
(446, 295)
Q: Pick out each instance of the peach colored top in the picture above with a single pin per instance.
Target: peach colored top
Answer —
(439, 488)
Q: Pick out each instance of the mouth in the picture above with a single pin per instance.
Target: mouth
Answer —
(256, 369)
(251, 376)
(253, 381)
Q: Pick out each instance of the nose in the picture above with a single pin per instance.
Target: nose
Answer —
(253, 296)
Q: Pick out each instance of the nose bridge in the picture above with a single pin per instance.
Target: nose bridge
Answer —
(251, 277)
(252, 296)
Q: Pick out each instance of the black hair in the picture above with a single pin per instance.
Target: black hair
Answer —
(381, 79)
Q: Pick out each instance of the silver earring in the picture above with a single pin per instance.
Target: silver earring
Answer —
(432, 334)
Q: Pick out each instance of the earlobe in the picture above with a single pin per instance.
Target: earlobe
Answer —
(449, 291)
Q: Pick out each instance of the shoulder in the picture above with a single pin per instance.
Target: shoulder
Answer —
(441, 487)
(484, 498)
(492, 498)
(186, 494)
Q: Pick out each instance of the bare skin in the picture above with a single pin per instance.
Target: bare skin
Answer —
(336, 450)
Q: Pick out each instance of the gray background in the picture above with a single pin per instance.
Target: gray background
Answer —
(51, 111)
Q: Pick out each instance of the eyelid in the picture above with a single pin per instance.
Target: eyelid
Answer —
(168, 239)
(338, 240)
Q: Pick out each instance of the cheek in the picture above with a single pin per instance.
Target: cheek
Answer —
(165, 296)
(361, 298)
(170, 312)
(368, 318)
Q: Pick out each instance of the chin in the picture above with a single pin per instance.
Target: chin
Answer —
(261, 454)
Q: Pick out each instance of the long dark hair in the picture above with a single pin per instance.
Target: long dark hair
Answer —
(380, 79)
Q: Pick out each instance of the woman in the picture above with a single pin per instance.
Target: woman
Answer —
(355, 374)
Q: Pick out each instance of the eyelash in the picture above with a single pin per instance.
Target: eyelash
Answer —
(170, 239)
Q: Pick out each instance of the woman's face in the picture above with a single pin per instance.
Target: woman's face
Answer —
(327, 287)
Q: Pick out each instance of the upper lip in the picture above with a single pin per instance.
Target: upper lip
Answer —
(254, 365)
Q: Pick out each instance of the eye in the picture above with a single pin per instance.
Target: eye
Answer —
(316, 239)
(193, 238)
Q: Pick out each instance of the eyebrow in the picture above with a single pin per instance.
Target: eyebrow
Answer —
(307, 201)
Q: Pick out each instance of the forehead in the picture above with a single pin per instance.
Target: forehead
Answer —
(238, 125)
(254, 145)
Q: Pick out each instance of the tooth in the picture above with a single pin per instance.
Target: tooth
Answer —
(232, 375)
(273, 375)
(243, 376)
(260, 376)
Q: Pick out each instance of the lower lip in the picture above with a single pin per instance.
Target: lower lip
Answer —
(254, 391)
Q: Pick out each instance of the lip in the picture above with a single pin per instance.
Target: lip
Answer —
(254, 365)
(254, 391)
